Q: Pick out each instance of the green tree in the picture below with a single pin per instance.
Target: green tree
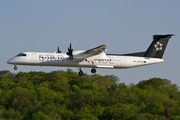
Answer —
(66, 95)
(82, 98)
(162, 85)
(6, 83)
(22, 97)
(155, 107)
(39, 116)
(6, 74)
(12, 114)
(120, 111)
(45, 94)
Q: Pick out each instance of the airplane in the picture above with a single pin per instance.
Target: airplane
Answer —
(95, 58)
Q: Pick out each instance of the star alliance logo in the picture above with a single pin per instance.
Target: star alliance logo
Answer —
(158, 46)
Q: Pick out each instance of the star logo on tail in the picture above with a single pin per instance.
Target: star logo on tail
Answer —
(158, 46)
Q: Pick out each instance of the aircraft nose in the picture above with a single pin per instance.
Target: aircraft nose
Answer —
(11, 61)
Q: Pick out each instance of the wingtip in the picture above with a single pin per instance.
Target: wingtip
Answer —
(106, 44)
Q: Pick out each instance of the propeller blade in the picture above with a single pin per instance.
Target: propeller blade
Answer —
(58, 50)
(70, 50)
(70, 46)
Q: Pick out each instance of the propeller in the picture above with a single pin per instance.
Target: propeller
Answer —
(58, 50)
(70, 52)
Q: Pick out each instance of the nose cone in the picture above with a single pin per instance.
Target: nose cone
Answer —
(11, 61)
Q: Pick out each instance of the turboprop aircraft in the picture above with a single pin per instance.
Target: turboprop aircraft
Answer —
(95, 58)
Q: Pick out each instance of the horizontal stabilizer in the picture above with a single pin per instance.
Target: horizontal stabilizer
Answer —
(137, 54)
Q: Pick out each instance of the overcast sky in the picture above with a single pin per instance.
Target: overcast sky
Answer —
(127, 26)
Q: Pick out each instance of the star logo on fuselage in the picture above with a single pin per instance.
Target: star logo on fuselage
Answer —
(158, 46)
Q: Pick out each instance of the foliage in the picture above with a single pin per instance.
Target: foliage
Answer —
(66, 95)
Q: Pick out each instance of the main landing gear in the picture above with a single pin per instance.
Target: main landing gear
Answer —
(80, 72)
(93, 70)
(15, 68)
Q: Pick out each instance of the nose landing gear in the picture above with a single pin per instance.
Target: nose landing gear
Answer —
(15, 68)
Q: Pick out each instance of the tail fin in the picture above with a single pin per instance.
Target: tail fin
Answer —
(158, 46)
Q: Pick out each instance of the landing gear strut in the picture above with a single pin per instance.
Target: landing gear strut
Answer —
(80, 72)
(93, 70)
(15, 68)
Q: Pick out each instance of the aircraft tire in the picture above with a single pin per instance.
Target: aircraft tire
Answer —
(81, 73)
(15, 68)
(93, 70)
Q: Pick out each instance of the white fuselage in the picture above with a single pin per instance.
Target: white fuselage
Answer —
(95, 61)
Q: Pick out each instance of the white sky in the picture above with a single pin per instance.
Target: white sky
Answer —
(127, 26)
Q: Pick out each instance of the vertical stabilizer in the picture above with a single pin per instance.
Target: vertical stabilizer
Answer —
(158, 46)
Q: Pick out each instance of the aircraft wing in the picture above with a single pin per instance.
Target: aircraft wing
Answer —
(97, 50)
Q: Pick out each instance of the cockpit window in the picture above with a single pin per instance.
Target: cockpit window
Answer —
(21, 54)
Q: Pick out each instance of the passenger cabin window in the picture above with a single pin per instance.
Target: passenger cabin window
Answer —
(21, 55)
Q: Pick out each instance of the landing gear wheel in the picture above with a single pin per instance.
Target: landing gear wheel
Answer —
(81, 73)
(93, 70)
(15, 68)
